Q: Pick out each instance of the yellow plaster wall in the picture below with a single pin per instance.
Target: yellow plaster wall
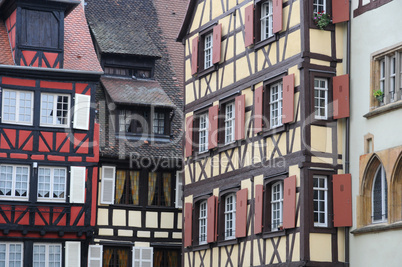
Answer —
(297, 140)
(228, 77)
(103, 217)
(215, 256)
(321, 160)
(190, 93)
(321, 139)
(205, 17)
(293, 45)
(340, 135)
(247, 252)
(320, 42)
(106, 232)
(142, 244)
(246, 183)
(341, 244)
(187, 73)
(119, 217)
(121, 232)
(134, 218)
(179, 220)
(187, 178)
(232, 4)
(295, 16)
(320, 247)
(197, 17)
(242, 70)
(320, 62)
(151, 219)
(167, 220)
(188, 199)
(296, 249)
(297, 110)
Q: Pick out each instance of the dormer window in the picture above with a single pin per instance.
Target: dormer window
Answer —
(128, 72)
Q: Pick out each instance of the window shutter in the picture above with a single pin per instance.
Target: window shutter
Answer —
(77, 184)
(95, 255)
(194, 56)
(188, 217)
(143, 256)
(213, 127)
(288, 98)
(73, 254)
(179, 189)
(81, 111)
(216, 45)
(241, 212)
(239, 117)
(108, 179)
(249, 26)
(289, 202)
(258, 106)
(189, 136)
(277, 16)
(341, 96)
(340, 11)
(211, 219)
(258, 204)
(342, 200)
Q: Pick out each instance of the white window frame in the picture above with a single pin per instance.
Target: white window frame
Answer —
(319, 89)
(8, 253)
(275, 104)
(276, 205)
(179, 190)
(318, 7)
(230, 216)
(156, 118)
(384, 195)
(54, 115)
(208, 44)
(95, 256)
(141, 259)
(52, 185)
(17, 107)
(203, 223)
(321, 190)
(266, 20)
(229, 122)
(14, 181)
(47, 252)
(203, 133)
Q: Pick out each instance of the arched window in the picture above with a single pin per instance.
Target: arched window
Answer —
(230, 216)
(379, 196)
(276, 205)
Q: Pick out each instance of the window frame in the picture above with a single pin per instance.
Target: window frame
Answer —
(202, 70)
(272, 102)
(127, 191)
(324, 189)
(264, 18)
(267, 229)
(328, 10)
(230, 129)
(14, 181)
(384, 195)
(202, 228)
(259, 42)
(326, 98)
(17, 107)
(208, 50)
(47, 245)
(273, 203)
(114, 249)
(54, 116)
(198, 200)
(7, 252)
(51, 190)
(159, 188)
(232, 213)
(315, 4)
(203, 132)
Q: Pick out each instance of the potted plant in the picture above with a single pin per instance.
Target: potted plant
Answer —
(379, 95)
(322, 19)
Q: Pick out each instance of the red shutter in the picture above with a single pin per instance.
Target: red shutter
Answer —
(258, 109)
(189, 136)
(342, 200)
(288, 98)
(216, 44)
(194, 56)
(239, 117)
(241, 212)
(258, 204)
(340, 11)
(213, 127)
(341, 96)
(289, 202)
(211, 219)
(188, 218)
(277, 16)
(249, 26)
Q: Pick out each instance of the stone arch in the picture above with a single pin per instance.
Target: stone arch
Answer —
(396, 191)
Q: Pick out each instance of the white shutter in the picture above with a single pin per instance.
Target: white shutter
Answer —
(77, 184)
(73, 254)
(179, 189)
(143, 256)
(81, 111)
(107, 190)
(95, 256)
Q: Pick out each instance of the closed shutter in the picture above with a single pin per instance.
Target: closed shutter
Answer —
(289, 202)
(189, 136)
(249, 26)
(213, 127)
(340, 11)
(188, 218)
(342, 192)
(73, 254)
(95, 255)
(288, 98)
(179, 189)
(341, 96)
(77, 184)
(239, 117)
(258, 205)
(81, 111)
(258, 106)
(211, 219)
(143, 256)
(277, 16)
(107, 186)
(194, 56)
(241, 212)
(216, 44)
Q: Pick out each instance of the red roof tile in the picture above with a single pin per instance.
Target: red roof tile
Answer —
(5, 49)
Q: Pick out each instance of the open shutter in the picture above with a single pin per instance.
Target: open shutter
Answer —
(213, 126)
(342, 192)
(258, 119)
(258, 204)
(240, 117)
(277, 16)
(340, 11)
(249, 26)
(179, 189)
(216, 44)
(73, 254)
(77, 184)
(341, 96)
(289, 202)
(288, 98)
(188, 221)
(95, 255)
(211, 219)
(82, 107)
(194, 56)
(241, 212)
(189, 136)
(108, 179)
(143, 256)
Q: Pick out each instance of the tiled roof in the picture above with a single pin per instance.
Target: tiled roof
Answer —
(5, 48)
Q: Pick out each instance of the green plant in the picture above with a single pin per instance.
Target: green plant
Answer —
(378, 94)
(322, 19)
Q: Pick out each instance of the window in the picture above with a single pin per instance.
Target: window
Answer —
(229, 122)
(319, 6)
(116, 256)
(203, 133)
(14, 181)
(11, 254)
(380, 196)
(160, 189)
(47, 255)
(230, 216)
(142, 256)
(276, 205)
(55, 110)
(276, 105)
(266, 20)
(128, 72)
(167, 257)
(208, 51)
(117, 71)
(320, 98)
(159, 123)
(127, 187)
(202, 221)
(17, 107)
(320, 191)
(52, 183)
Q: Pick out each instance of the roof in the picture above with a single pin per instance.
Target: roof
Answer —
(187, 20)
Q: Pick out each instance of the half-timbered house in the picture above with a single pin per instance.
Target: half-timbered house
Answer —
(266, 107)
(48, 136)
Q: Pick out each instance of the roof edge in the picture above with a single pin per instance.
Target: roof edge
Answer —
(186, 21)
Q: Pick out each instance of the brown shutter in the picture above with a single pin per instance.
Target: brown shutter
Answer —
(241, 212)
(239, 117)
(188, 218)
(342, 200)
(340, 11)
(277, 16)
(258, 109)
(288, 98)
(258, 202)
(216, 44)
(189, 136)
(213, 127)
(341, 96)
(249, 26)
(289, 202)
(211, 219)
(194, 56)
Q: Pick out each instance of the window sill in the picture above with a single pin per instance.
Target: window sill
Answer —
(223, 243)
(273, 131)
(383, 109)
(278, 233)
(378, 227)
(265, 42)
(201, 247)
(207, 71)
(143, 137)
